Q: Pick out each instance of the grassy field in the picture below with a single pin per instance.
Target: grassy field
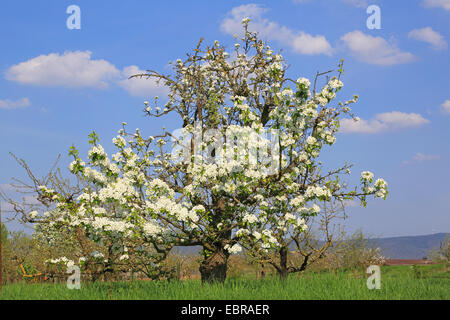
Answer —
(397, 282)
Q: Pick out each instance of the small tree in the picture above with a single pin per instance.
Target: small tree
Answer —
(443, 253)
(301, 244)
(358, 251)
(4, 233)
(63, 241)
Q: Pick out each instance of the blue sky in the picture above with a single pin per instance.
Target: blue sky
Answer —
(399, 71)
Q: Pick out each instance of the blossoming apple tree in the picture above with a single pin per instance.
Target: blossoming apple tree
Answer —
(242, 170)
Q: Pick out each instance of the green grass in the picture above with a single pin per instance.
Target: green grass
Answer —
(399, 282)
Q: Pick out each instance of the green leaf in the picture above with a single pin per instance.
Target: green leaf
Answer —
(93, 138)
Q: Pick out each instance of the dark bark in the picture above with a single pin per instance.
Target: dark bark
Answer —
(283, 270)
(213, 268)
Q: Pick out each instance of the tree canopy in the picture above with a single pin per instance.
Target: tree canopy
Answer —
(243, 169)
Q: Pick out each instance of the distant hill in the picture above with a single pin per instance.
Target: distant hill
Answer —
(408, 247)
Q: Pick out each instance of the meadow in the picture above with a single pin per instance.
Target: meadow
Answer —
(397, 283)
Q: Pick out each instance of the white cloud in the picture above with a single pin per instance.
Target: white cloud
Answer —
(6, 207)
(6, 187)
(77, 69)
(357, 3)
(383, 122)
(31, 200)
(299, 41)
(351, 204)
(420, 157)
(430, 36)
(445, 107)
(361, 126)
(27, 200)
(9, 104)
(71, 69)
(444, 4)
(11, 192)
(402, 120)
(375, 50)
(143, 87)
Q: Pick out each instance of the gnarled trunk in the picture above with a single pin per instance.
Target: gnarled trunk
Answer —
(283, 270)
(213, 268)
